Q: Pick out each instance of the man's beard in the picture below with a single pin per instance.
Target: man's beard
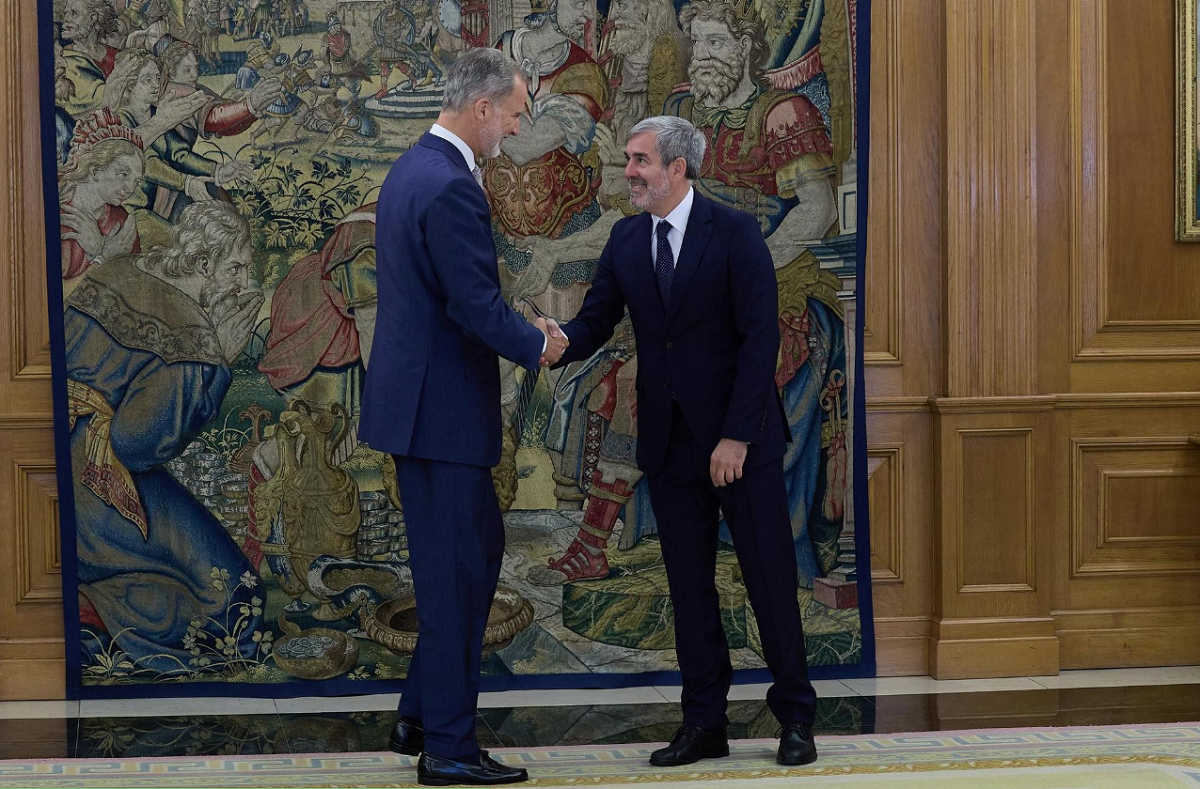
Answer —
(713, 80)
(629, 39)
(214, 291)
(654, 194)
(490, 139)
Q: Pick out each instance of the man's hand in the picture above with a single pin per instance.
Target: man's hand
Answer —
(556, 341)
(264, 93)
(725, 465)
(234, 317)
(169, 113)
(233, 173)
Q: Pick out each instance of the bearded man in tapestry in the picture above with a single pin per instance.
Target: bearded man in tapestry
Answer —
(149, 343)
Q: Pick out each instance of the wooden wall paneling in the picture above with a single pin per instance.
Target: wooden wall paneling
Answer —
(992, 433)
(1135, 292)
(903, 279)
(993, 588)
(1128, 567)
(881, 319)
(901, 510)
(1056, 95)
(31, 624)
(31, 629)
(990, 251)
(26, 329)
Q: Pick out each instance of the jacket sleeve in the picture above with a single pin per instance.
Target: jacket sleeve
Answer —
(458, 232)
(756, 317)
(603, 307)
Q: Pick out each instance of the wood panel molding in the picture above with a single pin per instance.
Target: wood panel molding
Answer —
(1065, 400)
(992, 599)
(991, 225)
(994, 496)
(26, 421)
(881, 321)
(986, 405)
(31, 623)
(39, 550)
(1129, 400)
(1097, 336)
(24, 246)
(1099, 549)
(885, 471)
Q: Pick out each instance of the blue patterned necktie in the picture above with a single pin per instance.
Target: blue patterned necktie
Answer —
(664, 266)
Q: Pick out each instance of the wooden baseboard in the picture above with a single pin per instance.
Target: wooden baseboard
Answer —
(978, 648)
(1129, 638)
(902, 646)
(33, 679)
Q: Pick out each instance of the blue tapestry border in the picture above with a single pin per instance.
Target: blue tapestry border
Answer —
(66, 502)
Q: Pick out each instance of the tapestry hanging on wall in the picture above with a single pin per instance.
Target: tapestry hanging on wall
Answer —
(212, 168)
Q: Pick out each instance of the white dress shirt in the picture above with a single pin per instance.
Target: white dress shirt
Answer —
(678, 219)
(469, 156)
(451, 137)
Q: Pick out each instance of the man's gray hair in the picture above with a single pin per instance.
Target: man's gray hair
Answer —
(482, 73)
(675, 138)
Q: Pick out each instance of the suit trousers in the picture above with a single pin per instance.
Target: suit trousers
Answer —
(456, 545)
(688, 509)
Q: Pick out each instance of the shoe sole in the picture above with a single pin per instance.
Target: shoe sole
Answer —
(719, 753)
(453, 782)
(796, 762)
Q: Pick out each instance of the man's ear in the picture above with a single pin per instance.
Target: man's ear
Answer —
(483, 107)
(205, 265)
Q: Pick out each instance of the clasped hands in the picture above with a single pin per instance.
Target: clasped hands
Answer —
(556, 341)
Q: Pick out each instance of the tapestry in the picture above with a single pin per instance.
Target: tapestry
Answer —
(211, 172)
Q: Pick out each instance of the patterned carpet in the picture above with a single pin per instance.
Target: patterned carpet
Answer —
(1145, 757)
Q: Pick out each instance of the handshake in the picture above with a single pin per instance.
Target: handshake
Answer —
(556, 341)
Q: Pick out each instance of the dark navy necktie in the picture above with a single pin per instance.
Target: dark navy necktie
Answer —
(664, 266)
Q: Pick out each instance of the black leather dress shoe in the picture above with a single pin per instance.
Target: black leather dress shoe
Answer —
(407, 738)
(438, 771)
(691, 744)
(796, 746)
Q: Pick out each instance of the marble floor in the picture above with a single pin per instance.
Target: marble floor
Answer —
(208, 726)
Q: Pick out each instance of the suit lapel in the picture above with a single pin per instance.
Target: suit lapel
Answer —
(695, 239)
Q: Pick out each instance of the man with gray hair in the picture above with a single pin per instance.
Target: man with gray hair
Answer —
(432, 400)
(697, 279)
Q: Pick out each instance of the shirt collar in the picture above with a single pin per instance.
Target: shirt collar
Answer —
(463, 148)
(678, 218)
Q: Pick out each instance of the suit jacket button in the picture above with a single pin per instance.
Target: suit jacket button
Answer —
(670, 345)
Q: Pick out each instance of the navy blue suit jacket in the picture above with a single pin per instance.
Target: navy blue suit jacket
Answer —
(433, 386)
(713, 347)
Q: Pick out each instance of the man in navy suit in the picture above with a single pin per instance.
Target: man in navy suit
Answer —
(700, 288)
(432, 400)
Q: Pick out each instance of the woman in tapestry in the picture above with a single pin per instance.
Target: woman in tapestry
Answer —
(175, 176)
(149, 344)
(103, 169)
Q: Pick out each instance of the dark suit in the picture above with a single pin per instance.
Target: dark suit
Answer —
(706, 371)
(432, 400)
